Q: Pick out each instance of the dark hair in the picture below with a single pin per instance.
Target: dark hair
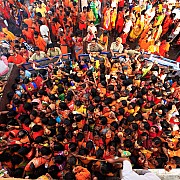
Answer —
(89, 145)
(80, 136)
(15, 148)
(146, 125)
(114, 124)
(128, 132)
(72, 147)
(45, 151)
(16, 159)
(156, 140)
(53, 170)
(70, 175)
(59, 159)
(94, 39)
(36, 48)
(18, 173)
(39, 140)
(128, 143)
(130, 118)
(58, 147)
(99, 153)
(103, 120)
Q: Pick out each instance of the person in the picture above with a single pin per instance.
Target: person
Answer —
(107, 17)
(88, 112)
(94, 47)
(41, 9)
(3, 66)
(38, 55)
(120, 22)
(92, 28)
(126, 29)
(116, 47)
(154, 49)
(16, 58)
(28, 33)
(44, 31)
(53, 52)
(39, 41)
(103, 40)
(94, 5)
(83, 20)
(128, 173)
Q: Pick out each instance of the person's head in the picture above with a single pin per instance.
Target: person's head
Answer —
(11, 52)
(23, 48)
(51, 46)
(69, 175)
(93, 41)
(39, 4)
(37, 51)
(17, 48)
(144, 136)
(118, 40)
(36, 34)
(156, 142)
(53, 171)
(157, 43)
(84, 9)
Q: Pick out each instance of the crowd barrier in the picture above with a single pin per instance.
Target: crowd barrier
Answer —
(67, 57)
(163, 61)
(44, 62)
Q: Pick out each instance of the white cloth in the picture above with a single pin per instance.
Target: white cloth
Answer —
(129, 174)
(150, 13)
(127, 26)
(93, 29)
(84, 3)
(177, 12)
(44, 30)
(3, 66)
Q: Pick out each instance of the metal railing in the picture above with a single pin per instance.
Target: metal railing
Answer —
(67, 57)
(44, 62)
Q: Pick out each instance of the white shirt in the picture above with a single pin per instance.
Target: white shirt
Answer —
(44, 30)
(93, 29)
(151, 13)
(177, 12)
(177, 30)
(127, 26)
(129, 174)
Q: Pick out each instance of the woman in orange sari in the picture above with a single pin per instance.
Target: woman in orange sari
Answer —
(164, 48)
(107, 18)
(78, 48)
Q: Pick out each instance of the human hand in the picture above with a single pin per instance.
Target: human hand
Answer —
(111, 160)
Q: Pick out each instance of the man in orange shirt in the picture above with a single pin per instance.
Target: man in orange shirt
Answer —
(83, 20)
(28, 33)
(27, 20)
(16, 58)
(39, 41)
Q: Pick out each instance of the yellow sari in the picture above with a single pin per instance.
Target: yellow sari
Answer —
(137, 29)
(9, 35)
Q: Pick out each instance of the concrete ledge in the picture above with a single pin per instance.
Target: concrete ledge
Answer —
(174, 174)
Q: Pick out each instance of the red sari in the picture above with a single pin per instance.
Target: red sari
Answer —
(82, 21)
(120, 22)
(168, 21)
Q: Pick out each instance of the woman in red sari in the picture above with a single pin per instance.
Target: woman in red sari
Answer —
(167, 22)
(120, 22)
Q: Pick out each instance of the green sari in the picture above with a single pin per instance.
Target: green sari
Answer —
(94, 7)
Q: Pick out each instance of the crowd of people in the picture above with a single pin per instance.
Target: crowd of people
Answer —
(87, 118)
